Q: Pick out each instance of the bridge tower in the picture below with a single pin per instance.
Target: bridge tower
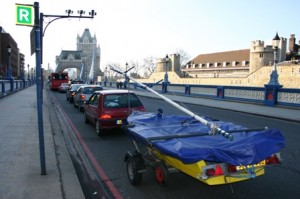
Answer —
(84, 58)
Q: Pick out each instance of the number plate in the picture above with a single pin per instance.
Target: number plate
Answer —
(119, 122)
(262, 163)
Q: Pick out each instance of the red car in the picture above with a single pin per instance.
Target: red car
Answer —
(108, 109)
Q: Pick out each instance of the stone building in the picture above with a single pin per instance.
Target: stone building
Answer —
(172, 64)
(294, 49)
(238, 63)
(7, 40)
(248, 67)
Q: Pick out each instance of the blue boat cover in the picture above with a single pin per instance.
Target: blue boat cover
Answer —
(167, 134)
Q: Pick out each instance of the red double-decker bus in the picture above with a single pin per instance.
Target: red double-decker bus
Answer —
(56, 79)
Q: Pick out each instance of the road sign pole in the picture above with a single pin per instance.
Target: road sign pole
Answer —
(39, 87)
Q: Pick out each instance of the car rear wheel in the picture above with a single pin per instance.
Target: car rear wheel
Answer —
(98, 129)
(79, 106)
(85, 118)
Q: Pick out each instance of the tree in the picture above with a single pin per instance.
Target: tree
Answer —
(112, 75)
(149, 66)
(184, 57)
(136, 70)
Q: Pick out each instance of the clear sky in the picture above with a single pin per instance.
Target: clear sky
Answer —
(131, 30)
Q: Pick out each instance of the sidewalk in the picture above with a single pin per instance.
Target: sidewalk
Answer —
(20, 168)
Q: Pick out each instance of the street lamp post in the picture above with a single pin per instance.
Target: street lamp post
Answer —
(22, 69)
(52, 18)
(8, 71)
(166, 78)
(166, 73)
(32, 74)
(125, 81)
(274, 74)
(28, 72)
(38, 34)
(105, 76)
(22, 72)
(271, 89)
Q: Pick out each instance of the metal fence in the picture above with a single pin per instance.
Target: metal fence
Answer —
(11, 86)
(270, 95)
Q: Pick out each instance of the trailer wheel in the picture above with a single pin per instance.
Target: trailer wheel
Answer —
(161, 174)
(134, 164)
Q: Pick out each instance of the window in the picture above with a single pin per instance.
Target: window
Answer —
(261, 55)
(94, 99)
(244, 63)
(121, 101)
(60, 76)
(91, 90)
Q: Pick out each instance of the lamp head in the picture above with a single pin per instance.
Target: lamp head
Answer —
(69, 12)
(92, 13)
(9, 49)
(276, 41)
(167, 58)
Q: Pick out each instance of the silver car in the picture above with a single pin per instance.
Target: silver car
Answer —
(83, 93)
(63, 87)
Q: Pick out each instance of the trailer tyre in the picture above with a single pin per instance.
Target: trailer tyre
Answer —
(134, 164)
(161, 174)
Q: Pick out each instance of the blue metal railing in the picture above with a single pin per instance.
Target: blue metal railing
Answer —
(11, 86)
(268, 95)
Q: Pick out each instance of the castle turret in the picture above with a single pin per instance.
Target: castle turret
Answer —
(173, 63)
(282, 49)
(260, 55)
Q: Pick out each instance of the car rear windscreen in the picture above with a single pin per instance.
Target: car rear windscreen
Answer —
(91, 90)
(121, 101)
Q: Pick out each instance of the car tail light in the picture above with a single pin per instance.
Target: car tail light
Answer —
(82, 97)
(105, 116)
(273, 159)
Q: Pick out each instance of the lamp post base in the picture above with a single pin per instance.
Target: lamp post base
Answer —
(271, 94)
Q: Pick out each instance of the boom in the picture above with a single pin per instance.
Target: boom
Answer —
(214, 129)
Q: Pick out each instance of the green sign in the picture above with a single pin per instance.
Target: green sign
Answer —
(25, 15)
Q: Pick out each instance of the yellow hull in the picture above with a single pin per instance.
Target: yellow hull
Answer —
(195, 170)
